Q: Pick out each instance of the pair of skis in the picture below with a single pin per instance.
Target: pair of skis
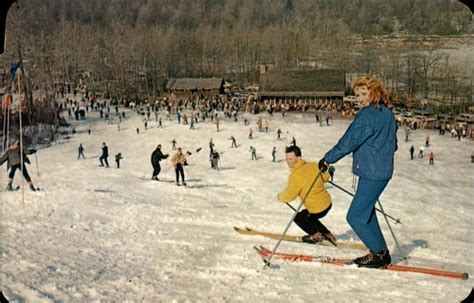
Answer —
(342, 262)
(293, 238)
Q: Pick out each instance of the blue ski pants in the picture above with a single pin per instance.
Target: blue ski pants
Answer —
(361, 215)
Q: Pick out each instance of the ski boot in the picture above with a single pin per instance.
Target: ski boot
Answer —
(314, 238)
(374, 260)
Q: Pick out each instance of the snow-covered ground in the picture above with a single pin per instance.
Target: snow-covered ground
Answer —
(93, 233)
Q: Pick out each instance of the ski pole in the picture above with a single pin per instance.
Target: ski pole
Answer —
(402, 256)
(268, 261)
(37, 166)
(352, 195)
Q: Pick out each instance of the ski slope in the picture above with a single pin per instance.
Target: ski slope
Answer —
(95, 233)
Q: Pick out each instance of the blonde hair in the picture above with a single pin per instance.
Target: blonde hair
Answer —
(378, 94)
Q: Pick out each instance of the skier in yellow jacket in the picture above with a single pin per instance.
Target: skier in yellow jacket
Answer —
(318, 201)
(179, 160)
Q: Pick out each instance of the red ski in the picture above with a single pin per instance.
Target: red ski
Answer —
(265, 253)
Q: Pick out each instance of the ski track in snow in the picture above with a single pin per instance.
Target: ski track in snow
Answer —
(93, 233)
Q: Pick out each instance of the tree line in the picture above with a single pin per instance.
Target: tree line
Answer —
(130, 48)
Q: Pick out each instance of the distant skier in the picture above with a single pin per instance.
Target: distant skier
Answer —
(318, 201)
(431, 158)
(412, 151)
(251, 134)
(253, 151)
(293, 141)
(160, 123)
(215, 157)
(234, 142)
(279, 134)
(211, 147)
(138, 131)
(173, 142)
(179, 160)
(420, 154)
(178, 117)
(80, 150)
(274, 151)
(259, 124)
(156, 157)
(13, 158)
(427, 141)
(104, 156)
(118, 157)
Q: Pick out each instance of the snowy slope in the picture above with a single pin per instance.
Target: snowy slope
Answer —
(113, 234)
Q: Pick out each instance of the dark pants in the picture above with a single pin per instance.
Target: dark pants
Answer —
(179, 171)
(25, 172)
(105, 160)
(310, 222)
(81, 154)
(156, 170)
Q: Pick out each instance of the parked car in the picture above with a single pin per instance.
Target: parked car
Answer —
(407, 115)
(253, 88)
(422, 112)
(465, 117)
(350, 99)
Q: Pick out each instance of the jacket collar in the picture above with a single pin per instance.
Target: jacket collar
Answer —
(298, 165)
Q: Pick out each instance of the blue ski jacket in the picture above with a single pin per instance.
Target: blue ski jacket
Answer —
(372, 138)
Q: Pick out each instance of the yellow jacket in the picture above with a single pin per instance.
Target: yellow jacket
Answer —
(299, 181)
(178, 158)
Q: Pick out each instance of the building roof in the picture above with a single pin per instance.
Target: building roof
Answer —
(194, 83)
(302, 94)
(311, 83)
